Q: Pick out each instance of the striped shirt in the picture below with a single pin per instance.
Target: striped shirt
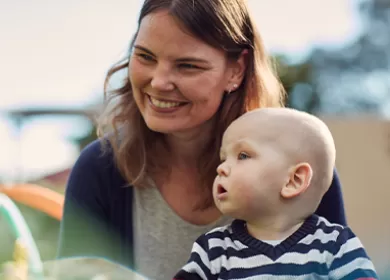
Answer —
(317, 250)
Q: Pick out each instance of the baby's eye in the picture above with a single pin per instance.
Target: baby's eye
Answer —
(242, 156)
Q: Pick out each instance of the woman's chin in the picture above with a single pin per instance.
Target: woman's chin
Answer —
(161, 127)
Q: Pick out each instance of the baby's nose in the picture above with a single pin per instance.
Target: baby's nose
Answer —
(223, 169)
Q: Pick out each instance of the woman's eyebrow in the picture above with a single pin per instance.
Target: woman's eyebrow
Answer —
(192, 59)
(182, 59)
(144, 49)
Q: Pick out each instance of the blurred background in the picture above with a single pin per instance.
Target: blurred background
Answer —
(333, 58)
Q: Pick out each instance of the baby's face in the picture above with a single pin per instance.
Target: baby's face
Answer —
(251, 174)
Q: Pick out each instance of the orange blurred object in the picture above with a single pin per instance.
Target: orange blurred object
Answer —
(37, 197)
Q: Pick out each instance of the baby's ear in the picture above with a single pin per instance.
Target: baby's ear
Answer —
(298, 181)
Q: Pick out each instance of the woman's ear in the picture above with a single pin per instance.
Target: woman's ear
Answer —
(238, 69)
(298, 181)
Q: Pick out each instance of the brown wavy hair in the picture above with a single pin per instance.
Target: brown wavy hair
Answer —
(224, 24)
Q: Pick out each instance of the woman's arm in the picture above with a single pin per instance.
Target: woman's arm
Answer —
(332, 204)
(85, 229)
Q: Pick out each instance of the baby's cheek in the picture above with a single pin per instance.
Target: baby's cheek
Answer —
(247, 197)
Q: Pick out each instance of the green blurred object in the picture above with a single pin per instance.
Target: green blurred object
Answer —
(22, 233)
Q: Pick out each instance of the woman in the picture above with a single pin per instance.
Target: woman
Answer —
(142, 195)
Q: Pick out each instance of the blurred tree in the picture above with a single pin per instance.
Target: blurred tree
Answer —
(297, 81)
(350, 80)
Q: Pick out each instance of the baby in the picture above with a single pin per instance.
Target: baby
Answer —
(276, 165)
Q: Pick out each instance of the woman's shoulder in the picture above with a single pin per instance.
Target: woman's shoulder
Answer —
(96, 154)
(96, 162)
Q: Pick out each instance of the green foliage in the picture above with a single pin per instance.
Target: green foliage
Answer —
(297, 81)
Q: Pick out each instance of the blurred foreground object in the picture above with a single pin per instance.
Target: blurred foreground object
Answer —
(25, 247)
(26, 259)
(88, 268)
(37, 197)
(18, 269)
(74, 268)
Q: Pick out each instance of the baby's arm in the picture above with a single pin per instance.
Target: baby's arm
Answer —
(350, 260)
(198, 266)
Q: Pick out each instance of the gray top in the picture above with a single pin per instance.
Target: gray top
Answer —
(162, 240)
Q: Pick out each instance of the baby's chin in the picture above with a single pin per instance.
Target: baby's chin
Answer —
(227, 210)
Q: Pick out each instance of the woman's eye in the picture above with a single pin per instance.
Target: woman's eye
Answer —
(188, 66)
(242, 156)
(145, 57)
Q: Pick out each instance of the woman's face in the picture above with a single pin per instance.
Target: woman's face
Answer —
(178, 81)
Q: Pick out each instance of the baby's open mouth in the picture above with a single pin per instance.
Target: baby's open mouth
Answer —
(221, 189)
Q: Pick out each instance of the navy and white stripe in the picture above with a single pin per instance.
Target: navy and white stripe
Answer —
(317, 250)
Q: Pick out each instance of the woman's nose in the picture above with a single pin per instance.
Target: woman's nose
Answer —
(162, 79)
(223, 169)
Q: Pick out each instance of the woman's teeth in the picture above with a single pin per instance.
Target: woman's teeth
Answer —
(164, 104)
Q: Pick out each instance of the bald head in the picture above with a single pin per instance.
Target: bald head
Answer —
(300, 136)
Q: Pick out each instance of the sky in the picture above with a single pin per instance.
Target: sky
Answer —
(56, 53)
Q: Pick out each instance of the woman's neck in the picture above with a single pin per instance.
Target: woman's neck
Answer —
(186, 147)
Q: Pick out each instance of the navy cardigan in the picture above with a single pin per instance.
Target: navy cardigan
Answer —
(98, 221)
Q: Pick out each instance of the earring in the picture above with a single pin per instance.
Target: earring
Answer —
(232, 89)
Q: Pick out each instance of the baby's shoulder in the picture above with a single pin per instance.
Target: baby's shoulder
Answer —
(220, 232)
(327, 232)
(222, 238)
